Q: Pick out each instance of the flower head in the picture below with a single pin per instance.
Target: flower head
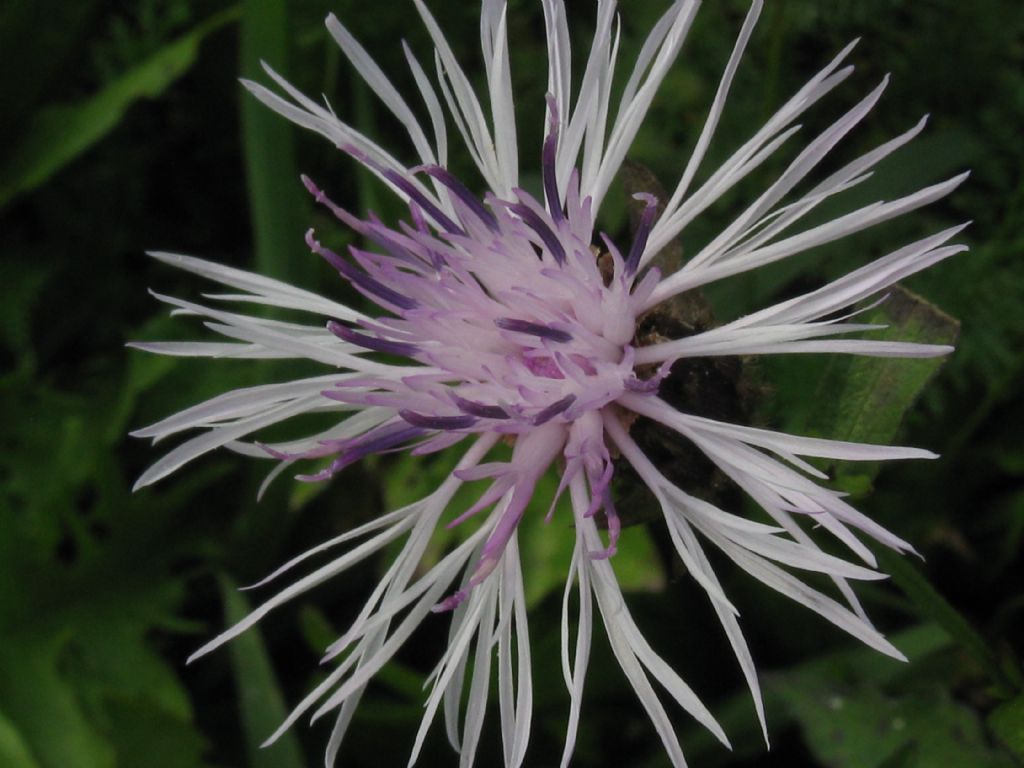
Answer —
(509, 317)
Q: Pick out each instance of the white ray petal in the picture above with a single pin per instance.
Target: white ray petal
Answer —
(306, 583)
(499, 83)
(479, 599)
(664, 413)
(847, 177)
(559, 61)
(433, 107)
(824, 606)
(214, 349)
(751, 154)
(381, 86)
(215, 438)
(464, 102)
(803, 164)
(828, 232)
(479, 687)
(631, 114)
(260, 286)
(711, 122)
(575, 673)
(588, 114)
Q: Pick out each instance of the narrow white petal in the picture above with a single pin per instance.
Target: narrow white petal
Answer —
(559, 61)
(238, 403)
(751, 154)
(215, 349)
(631, 113)
(381, 86)
(828, 232)
(478, 600)
(318, 576)
(260, 286)
(576, 673)
(826, 607)
(804, 163)
(592, 101)
(216, 438)
(479, 687)
(433, 106)
(711, 122)
(499, 81)
(847, 177)
(464, 102)
(775, 441)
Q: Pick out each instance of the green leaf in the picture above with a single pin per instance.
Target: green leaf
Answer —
(933, 606)
(545, 547)
(42, 50)
(865, 399)
(546, 550)
(144, 734)
(262, 705)
(880, 391)
(43, 707)
(78, 611)
(856, 712)
(832, 673)
(14, 752)
(862, 727)
(61, 132)
(276, 197)
(86, 647)
(1007, 722)
(20, 288)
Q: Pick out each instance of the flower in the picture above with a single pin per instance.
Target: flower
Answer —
(517, 321)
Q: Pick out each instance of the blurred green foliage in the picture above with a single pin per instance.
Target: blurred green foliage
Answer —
(125, 129)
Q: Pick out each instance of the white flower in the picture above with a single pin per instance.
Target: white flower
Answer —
(516, 326)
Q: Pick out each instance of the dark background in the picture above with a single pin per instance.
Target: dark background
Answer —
(123, 128)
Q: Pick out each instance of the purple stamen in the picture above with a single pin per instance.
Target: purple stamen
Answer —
(480, 409)
(538, 225)
(405, 186)
(377, 232)
(401, 348)
(358, 278)
(375, 441)
(533, 329)
(643, 230)
(423, 202)
(322, 199)
(462, 192)
(642, 386)
(548, 158)
(553, 410)
(381, 438)
(420, 233)
(372, 229)
(451, 602)
(438, 422)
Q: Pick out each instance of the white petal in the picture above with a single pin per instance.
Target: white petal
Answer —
(711, 122)
(381, 86)
(632, 112)
(751, 154)
(464, 105)
(796, 590)
(238, 403)
(260, 286)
